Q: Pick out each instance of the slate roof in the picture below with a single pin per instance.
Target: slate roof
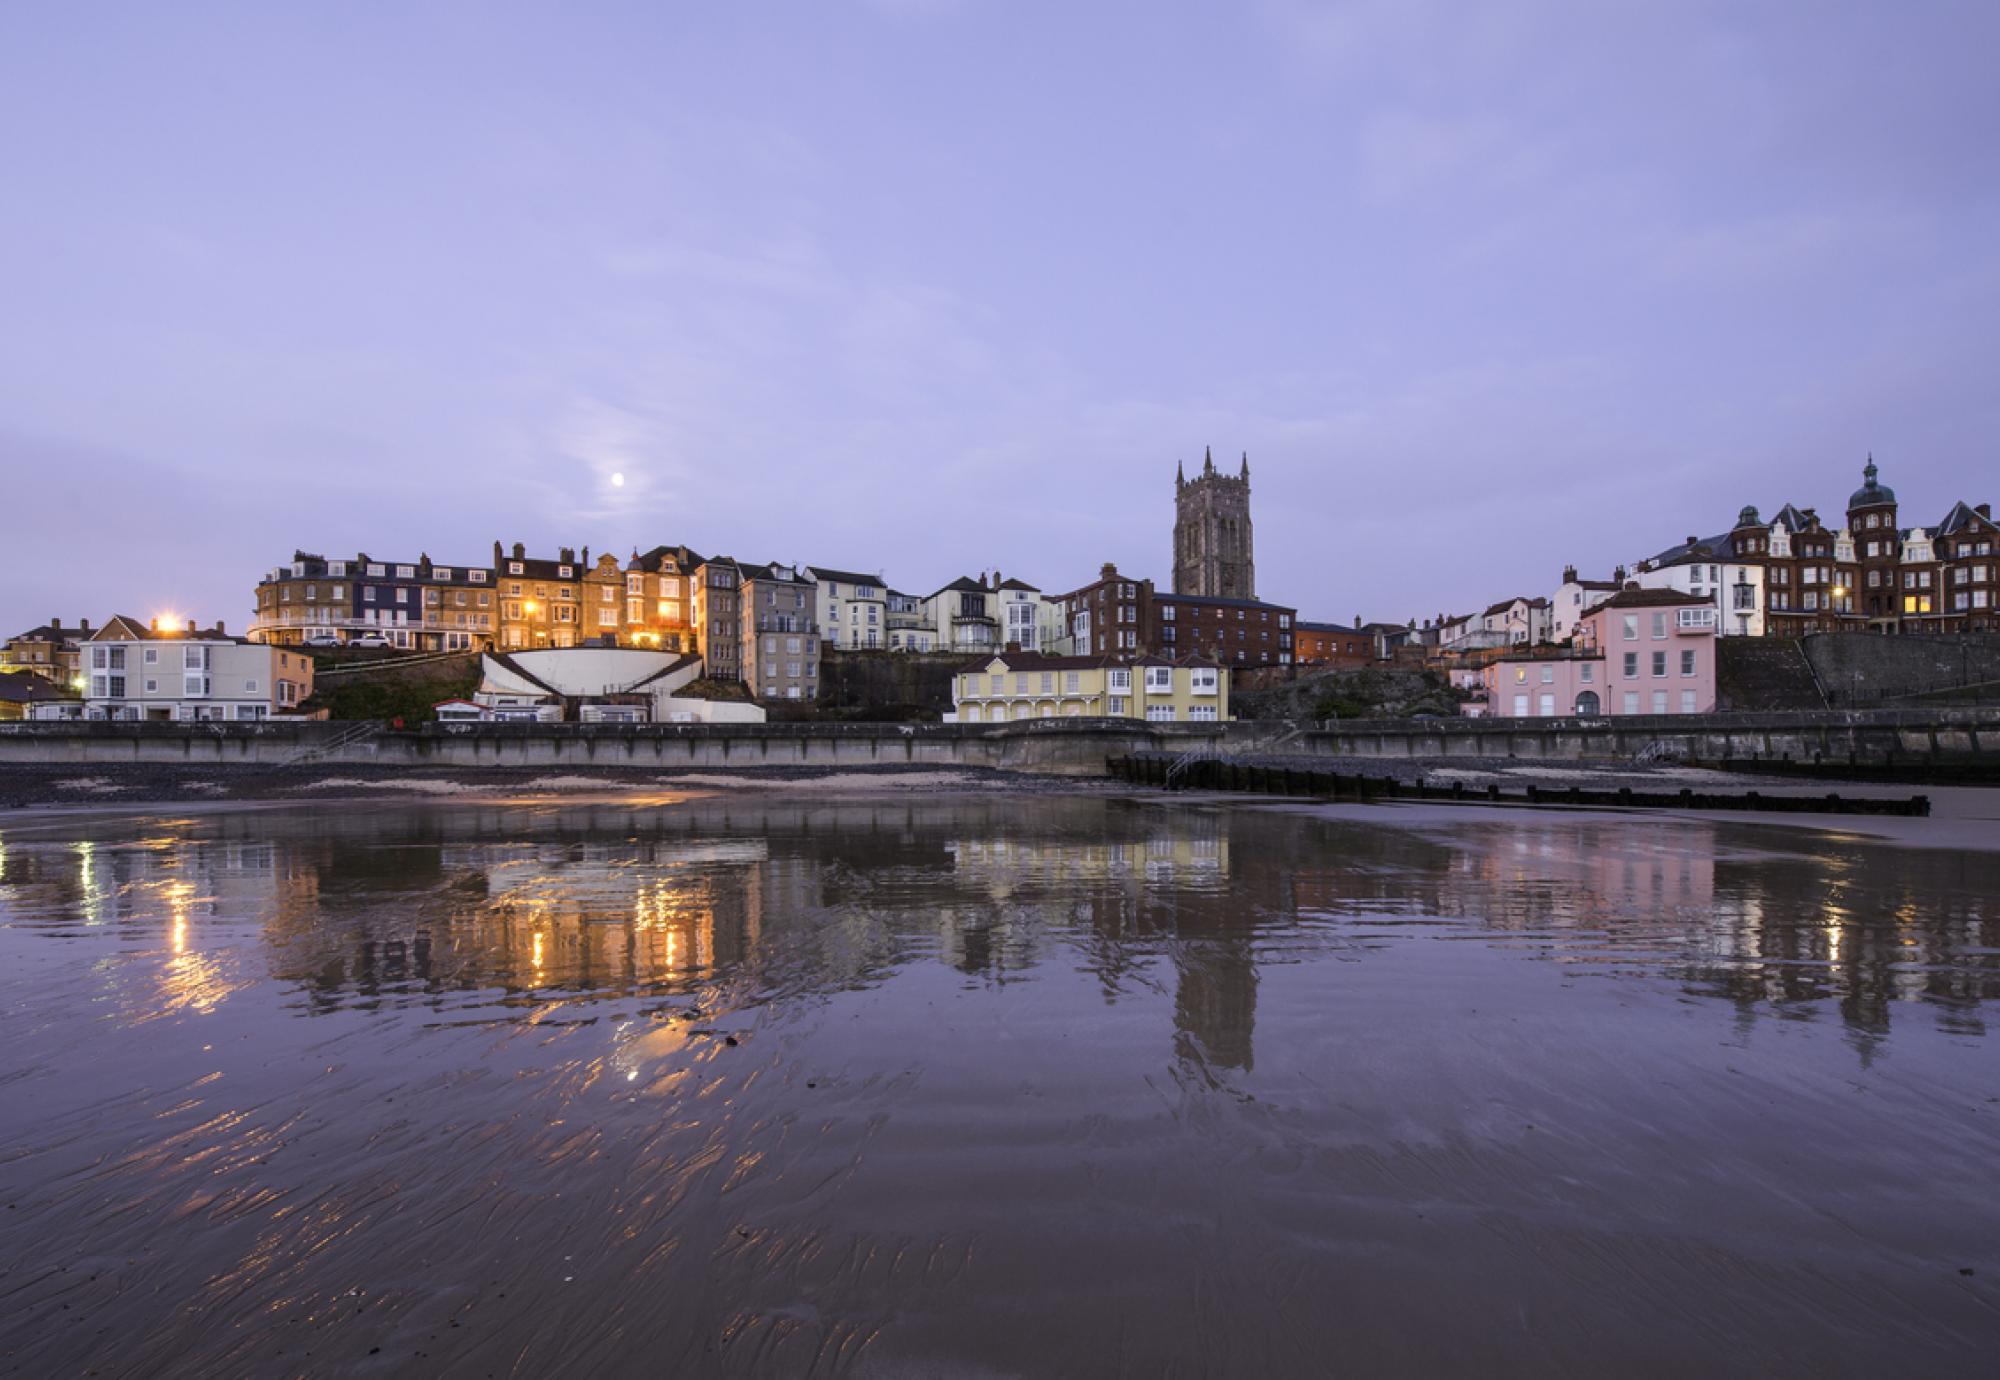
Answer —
(1649, 598)
(1225, 600)
(1961, 516)
(25, 687)
(847, 577)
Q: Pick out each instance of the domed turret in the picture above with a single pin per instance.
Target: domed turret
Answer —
(1748, 517)
(1871, 493)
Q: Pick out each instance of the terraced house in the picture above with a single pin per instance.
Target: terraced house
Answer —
(415, 605)
(852, 609)
(541, 601)
(52, 651)
(1117, 615)
(1792, 574)
(779, 641)
(1033, 685)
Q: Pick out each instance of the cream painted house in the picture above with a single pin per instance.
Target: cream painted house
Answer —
(852, 609)
(137, 670)
(1030, 685)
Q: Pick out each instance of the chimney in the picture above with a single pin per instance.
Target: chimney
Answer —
(568, 553)
(1618, 575)
(498, 555)
(83, 625)
(1692, 539)
(1357, 622)
(156, 625)
(56, 623)
(1569, 574)
(1108, 571)
(520, 551)
(586, 555)
(1985, 510)
(218, 626)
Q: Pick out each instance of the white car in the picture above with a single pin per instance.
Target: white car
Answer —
(321, 642)
(369, 641)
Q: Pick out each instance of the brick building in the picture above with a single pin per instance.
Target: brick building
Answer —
(1793, 574)
(1118, 616)
(1331, 645)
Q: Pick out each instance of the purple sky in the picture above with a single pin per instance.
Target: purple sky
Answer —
(927, 286)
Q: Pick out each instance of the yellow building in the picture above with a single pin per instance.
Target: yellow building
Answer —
(1028, 685)
(541, 602)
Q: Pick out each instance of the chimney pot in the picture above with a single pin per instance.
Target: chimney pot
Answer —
(1108, 571)
(1569, 574)
(520, 551)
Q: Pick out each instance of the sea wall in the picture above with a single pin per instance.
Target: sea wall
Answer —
(1064, 747)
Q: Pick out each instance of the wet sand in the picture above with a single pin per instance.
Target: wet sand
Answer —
(755, 1084)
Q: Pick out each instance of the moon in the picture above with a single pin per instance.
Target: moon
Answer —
(618, 480)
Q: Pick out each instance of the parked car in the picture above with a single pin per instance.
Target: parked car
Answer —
(371, 640)
(327, 641)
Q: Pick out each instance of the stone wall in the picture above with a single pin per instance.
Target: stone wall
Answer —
(889, 684)
(1859, 671)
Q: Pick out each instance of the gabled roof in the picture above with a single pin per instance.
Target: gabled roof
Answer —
(1538, 602)
(682, 556)
(1304, 626)
(1791, 519)
(1020, 584)
(1961, 516)
(964, 584)
(125, 628)
(774, 572)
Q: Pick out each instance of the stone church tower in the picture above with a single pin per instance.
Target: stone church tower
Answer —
(1213, 553)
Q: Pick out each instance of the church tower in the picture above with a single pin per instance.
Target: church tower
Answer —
(1213, 553)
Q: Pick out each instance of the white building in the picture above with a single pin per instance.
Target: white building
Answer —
(853, 609)
(1704, 568)
(1574, 597)
(606, 684)
(169, 673)
(910, 624)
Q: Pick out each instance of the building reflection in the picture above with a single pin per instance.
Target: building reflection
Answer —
(700, 902)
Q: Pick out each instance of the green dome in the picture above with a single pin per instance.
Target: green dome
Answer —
(1870, 492)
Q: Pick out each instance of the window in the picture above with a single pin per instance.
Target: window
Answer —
(1659, 625)
(1546, 707)
(1120, 680)
(1159, 680)
(1687, 663)
(1659, 701)
(1631, 627)
(1072, 682)
(1687, 702)
(1204, 680)
(1520, 706)
(1159, 713)
(1631, 665)
(1548, 673)
(1586, 673)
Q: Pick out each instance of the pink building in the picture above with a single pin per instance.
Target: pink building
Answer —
(1641, 651)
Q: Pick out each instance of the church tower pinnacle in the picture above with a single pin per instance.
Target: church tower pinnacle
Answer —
(1214, 549)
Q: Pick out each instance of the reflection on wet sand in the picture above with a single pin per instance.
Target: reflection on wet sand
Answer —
(820, 1087)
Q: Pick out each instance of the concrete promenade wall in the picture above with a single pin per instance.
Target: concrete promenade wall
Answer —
(1074, 747)
(1863, 735)
(1071, 747)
